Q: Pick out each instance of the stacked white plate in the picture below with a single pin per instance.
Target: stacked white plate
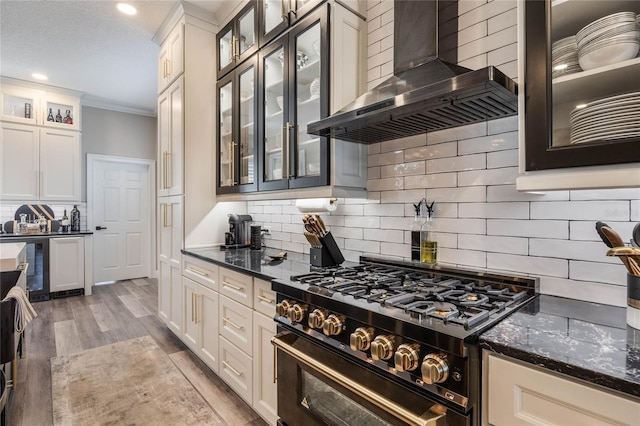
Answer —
(608, 40)
(607, 119)
(564, 55)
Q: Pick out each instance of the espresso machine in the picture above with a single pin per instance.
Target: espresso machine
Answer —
(239, 234)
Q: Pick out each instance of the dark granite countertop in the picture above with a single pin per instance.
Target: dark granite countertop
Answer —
(584, 340)
(12, 236)
(256, 263)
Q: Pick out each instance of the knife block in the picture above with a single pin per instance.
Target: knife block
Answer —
(319, 256)
(327, 255)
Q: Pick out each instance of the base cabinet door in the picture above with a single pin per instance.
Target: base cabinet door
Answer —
(207, 317)
(235, 369)
(66, 263)
(265, 400)
(520, 395)
(170, 296)
(189, 308)
(164, 290)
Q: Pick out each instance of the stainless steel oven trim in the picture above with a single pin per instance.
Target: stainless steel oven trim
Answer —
(426, 419)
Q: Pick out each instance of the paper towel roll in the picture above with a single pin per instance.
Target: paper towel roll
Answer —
(316, 205)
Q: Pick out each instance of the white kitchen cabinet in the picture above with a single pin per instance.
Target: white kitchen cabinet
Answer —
(235, 324)
(171, 57)
(236, 369)
(518, 394)
(236, 286)
(200, 307)
(39, 163)
(66, 263)
(169, 260)
(170, 140)
(265, 391)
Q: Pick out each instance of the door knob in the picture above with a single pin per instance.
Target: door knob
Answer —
(100, 228)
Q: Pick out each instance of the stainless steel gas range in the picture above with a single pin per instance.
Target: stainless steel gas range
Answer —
(387, 342)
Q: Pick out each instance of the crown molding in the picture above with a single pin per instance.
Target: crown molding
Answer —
(39, 86)
(95, 102)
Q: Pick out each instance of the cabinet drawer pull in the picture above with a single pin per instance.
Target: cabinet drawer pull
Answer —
(195, 271)
(235, 287)
(193, 308)
(236, 372)
(197, 309)
(233, 324)
(266, 299)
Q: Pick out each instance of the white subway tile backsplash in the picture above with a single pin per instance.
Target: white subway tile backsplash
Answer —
(509, 193)
(529, 228)
(441, 180)
(502, 125)
(388, 184)
(485, 12)
(380, 33)
(468, 258)
(384, 210)
(635, 210)
(380, 9)
(272, 209)
(406, 196)
(501, 159)
(486, 44)
(446, 240)
(443, 209)
(506, 175)
(529, 264)
(573, 250)
(472, 33)
(495, 142)
(615, 274)
(373, 172)
(503, 55)
(581, 210)
(600, 293)
(373, 148)
(457, 133)
(502, 21)
(453, 164)
(373, 73)
(381, 58)
(364, 246)
(467, 5)
(387, 42)
(510, 245)
(362, 221)
(475, 62)
(460, 226)
(386, 68)
(605, 194)
(373, 23)
(291, 246)
(373, 49)
(399, 251)
(354, 233)
(404, 169)
(514, 210)
(448, 149)
(403, 143)
(469, 194)
(387, 17)
(349, 209)
(385, 235)
(510, 69)
(393, 157)
(389, 222)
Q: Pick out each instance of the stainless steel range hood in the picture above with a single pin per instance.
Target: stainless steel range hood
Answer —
(427, 92)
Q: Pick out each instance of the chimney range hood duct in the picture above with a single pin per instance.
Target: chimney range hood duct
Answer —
(427, 92)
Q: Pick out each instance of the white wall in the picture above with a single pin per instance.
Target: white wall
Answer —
(109, 132)
(481, 220)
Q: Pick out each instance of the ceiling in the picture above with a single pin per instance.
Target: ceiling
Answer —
(90, 47)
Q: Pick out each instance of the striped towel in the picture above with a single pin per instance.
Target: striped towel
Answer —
(24, 310)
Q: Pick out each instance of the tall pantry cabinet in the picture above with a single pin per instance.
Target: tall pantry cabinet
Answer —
(186, 76)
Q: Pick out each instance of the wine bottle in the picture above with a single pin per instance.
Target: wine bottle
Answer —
(65, 222)
(50, 116)
(67, 118)
(75, 219)
(58, 117)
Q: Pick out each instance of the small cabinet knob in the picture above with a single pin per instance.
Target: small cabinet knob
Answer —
(434, 369)
(316, 318)
(360, 339)
(407, 357)
(283, 307)
(333, 325)
(296, 313)
(382, 348)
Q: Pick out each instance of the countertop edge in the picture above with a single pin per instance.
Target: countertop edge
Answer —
(12, 236)
(592, 377)
(228, 266)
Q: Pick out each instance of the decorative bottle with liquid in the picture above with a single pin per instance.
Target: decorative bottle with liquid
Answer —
(50, 116)
(75, 219)
(428, 244)
(65, 222)
(416, 227)
(58, 117)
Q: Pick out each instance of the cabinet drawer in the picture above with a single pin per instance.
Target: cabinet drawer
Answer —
(235, 324)
(236, 286)
(200, 271)
(235, 369)
(264, 299)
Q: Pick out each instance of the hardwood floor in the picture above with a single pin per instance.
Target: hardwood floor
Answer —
(114, 313)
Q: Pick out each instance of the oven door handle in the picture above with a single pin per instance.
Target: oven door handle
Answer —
(426, 419)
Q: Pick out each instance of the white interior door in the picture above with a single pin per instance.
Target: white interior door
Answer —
(121, 196)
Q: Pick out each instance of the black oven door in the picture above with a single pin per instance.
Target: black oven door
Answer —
(319, 387)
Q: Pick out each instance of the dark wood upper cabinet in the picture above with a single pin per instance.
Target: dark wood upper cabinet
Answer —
(579, 106)
(237, 40)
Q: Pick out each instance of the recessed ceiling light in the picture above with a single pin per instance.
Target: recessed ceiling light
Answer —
(127, 9)
(39, 76)
(560, 67)
(581, 106)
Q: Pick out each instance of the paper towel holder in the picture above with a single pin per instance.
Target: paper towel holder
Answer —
(316, 205)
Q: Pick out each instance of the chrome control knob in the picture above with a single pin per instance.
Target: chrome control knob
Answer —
(296, 313)
(434, 368)
(317, 317)
(382, 347)
(333, 325)
(360, 339)
(283, 307)
(407, 357)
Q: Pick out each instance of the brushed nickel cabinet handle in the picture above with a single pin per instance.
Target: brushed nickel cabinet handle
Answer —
(236, 372)
(233, 324)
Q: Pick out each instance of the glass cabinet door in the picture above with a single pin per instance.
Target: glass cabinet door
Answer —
(226, 157)
(225, 50)
(247, 135)
(274, 148)
(302, 7)
(583, 99)
(246, 29)
(274, 18)
(310, 101)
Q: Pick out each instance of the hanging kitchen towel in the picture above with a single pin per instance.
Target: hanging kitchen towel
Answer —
(24, 310)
